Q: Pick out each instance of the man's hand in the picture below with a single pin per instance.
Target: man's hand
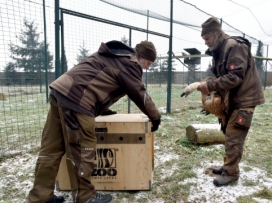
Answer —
(203, 88)
(155, 124)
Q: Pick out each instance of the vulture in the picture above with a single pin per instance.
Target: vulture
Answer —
(212, 104)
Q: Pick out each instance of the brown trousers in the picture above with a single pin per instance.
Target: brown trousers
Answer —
(236, 132)
(65, 131)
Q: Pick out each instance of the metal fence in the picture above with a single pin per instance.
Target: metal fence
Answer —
(38, 44)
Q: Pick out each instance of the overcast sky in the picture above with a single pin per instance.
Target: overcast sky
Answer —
(251, 16)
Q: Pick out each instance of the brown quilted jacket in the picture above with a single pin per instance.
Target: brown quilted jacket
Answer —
(236, 75)
(104, 77)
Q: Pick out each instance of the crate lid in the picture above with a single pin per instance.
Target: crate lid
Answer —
(123, 118)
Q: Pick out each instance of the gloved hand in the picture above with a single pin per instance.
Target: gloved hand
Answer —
(108, 112)
(203, 88)
(155, 124)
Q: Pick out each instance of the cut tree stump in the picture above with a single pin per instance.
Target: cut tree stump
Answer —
(205, 134)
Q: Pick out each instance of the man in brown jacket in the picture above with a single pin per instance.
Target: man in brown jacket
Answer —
(237, 80)
(77, 97)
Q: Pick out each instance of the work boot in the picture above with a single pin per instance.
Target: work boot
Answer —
(218, 170)
(56, 199)
(224, 179)
(108, 112)
(99, 198)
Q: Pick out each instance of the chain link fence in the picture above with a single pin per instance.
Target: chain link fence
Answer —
(34, 53)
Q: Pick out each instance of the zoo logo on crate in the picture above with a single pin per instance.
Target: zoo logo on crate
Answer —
(105, 164)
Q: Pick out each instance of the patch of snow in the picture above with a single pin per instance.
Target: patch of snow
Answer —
(205, 189)
(162, 110)
(17, 172)
(162, 158)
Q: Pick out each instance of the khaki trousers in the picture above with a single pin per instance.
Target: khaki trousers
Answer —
(236, 132)
(65, 131)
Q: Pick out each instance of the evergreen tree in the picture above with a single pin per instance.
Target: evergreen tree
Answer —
(10, 73)
(155, 66)
(30, 56)
(64, 66)
(83, 53)
(125, 40)
(164, 69)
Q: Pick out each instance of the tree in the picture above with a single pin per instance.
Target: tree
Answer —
(30, 55)
(259, 62)
(42, 57)
(125, 40)
(155, 66)
(164, 69)
(10, 71)
(64, 66)
(83, 53)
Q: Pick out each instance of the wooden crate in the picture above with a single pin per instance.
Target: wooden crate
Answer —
(126, 142)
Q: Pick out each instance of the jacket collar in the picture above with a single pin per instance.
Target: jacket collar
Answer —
(116, 48)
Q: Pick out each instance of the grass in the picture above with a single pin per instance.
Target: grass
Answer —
(22, 119)
(169, 176)
(264, 193)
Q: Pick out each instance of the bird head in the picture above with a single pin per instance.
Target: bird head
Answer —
(185, 94)
(190, 88)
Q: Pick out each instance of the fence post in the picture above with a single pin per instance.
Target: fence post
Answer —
(147, 27)
(130, 46)
(169, 82)
(45, 52)
(57, 40)
(265, 75)
(62, 43)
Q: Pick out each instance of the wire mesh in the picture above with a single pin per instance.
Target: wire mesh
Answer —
(24, 27)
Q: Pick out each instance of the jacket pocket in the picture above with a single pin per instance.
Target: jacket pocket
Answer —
(243, 119)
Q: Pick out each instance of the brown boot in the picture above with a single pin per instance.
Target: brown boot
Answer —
(224, 179)
(218, 170)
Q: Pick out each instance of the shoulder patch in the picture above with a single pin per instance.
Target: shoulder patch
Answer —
(231, 66)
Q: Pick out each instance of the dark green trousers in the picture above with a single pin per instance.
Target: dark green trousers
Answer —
(65, 131)
(236, 132)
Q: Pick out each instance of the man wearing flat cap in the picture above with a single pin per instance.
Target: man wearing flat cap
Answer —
(77, 97)
(238, 83)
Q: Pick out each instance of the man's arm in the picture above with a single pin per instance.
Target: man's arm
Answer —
(236, 67)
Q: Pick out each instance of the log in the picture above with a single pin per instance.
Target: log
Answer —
(205, 134)
(2, 96)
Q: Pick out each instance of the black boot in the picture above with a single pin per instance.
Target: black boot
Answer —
(218, 170)
(56, 199)
(99, 198)
(224, 179)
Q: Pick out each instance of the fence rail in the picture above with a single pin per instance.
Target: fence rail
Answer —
(36, 50)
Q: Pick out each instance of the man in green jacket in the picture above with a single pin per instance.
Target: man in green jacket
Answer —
(238, 82)
(77, 97)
